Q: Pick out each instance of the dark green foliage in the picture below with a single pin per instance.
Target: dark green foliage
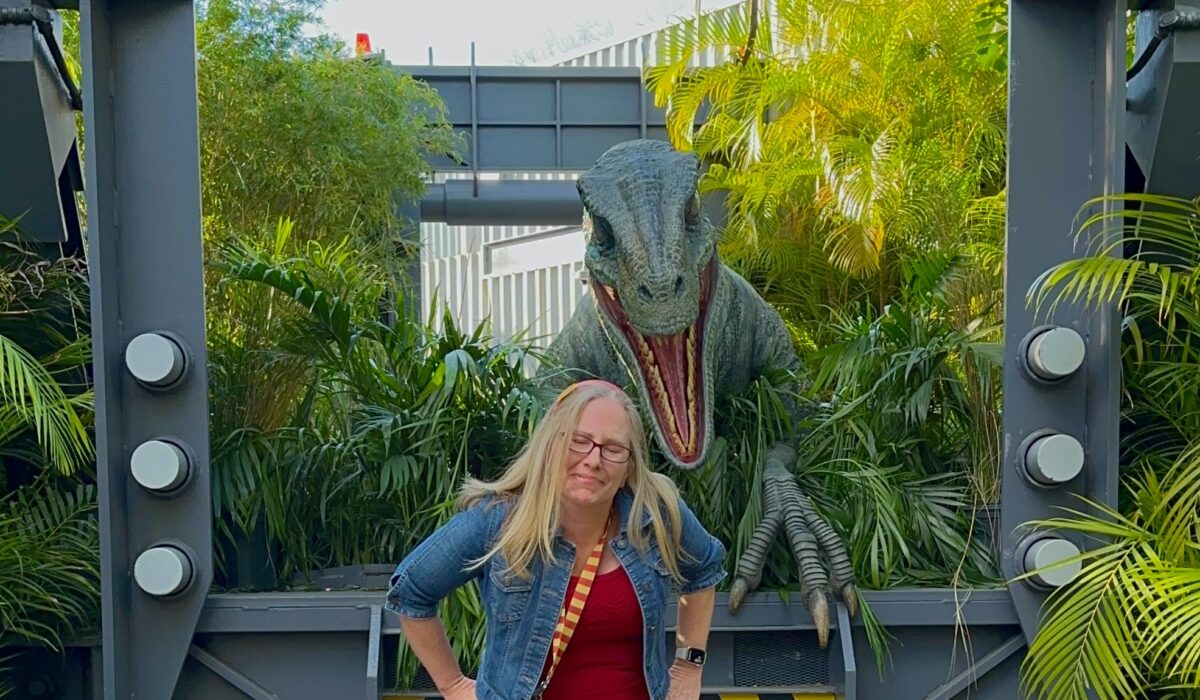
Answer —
(392, 416)
(895, 448)
(49, 568)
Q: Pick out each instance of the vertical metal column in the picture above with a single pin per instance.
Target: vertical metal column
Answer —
(143, 196)
(1066, 145)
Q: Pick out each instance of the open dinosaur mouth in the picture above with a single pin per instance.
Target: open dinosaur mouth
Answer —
(672, 369)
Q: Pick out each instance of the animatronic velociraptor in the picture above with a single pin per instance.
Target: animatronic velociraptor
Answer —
(662, 302)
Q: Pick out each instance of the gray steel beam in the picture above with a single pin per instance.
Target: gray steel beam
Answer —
(143, 195)
(845, 640)
(351, 611)
(496, 202)
(541, 119)
(972, 673)
(521, 203)
(1066, 145)
(374, 649)
(277, 637)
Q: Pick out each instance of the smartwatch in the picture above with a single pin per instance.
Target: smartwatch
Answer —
(692, 655)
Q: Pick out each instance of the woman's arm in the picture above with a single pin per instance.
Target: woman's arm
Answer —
(695, 620)
(427, 575)
(440, 564)
(427, 638)
(702, 565)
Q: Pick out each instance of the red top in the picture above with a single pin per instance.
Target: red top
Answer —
(604, 657)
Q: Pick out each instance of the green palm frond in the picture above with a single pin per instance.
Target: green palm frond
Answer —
(1128, 623)
(31, 397)
(1163, 244)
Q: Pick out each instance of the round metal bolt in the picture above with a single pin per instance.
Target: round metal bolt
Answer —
(163, 570)
(154, 359)
(1055, 353)
(1044, 554)
(159, 465)
(1054, 459)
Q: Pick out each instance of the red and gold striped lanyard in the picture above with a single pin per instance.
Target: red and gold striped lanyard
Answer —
(568, 617)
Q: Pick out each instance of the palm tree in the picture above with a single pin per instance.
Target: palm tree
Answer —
(847, 136)
(1127, 627)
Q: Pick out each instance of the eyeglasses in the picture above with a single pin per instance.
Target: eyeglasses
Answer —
(617, 454)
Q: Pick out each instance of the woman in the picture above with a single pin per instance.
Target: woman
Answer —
(578, 504)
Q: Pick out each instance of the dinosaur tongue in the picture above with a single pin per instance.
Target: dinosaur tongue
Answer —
(675, 367)
(672, 369)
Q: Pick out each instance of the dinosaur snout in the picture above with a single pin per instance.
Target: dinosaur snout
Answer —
(662, 290)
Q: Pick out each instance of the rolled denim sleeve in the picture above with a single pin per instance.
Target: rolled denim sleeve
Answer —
(439, 564)
(703, 560)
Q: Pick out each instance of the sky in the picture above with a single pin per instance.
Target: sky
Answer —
(503, 30)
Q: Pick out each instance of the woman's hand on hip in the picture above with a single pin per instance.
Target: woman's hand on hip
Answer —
(685, 681)
(461, 689)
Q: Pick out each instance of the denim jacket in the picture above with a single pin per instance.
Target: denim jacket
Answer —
(522, 613)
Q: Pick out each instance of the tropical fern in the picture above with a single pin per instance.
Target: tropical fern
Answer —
(30, 397)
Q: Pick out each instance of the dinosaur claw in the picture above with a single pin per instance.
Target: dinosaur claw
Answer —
(818, 607)
(850, 595)
(737, 594)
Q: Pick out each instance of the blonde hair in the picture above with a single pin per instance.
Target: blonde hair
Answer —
(534, 480)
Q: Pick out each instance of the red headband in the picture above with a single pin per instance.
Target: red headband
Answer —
(586, 382)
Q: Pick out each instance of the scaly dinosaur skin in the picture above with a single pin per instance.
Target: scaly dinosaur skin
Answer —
(687, 329)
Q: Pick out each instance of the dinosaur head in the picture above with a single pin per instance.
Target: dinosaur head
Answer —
(652, 268)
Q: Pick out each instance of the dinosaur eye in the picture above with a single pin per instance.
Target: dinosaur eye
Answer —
(602, 233)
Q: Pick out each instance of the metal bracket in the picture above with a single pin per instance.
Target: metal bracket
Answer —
(846, 639)
(374, 647)
(978, 669)
(1168, 23)
(540, 119)
(235, 677)
(43, 22)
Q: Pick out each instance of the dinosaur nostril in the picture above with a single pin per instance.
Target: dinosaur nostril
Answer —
(644, 293)
(678, 285)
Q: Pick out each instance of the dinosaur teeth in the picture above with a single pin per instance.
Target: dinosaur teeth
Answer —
(659, 393)
(609, 291)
